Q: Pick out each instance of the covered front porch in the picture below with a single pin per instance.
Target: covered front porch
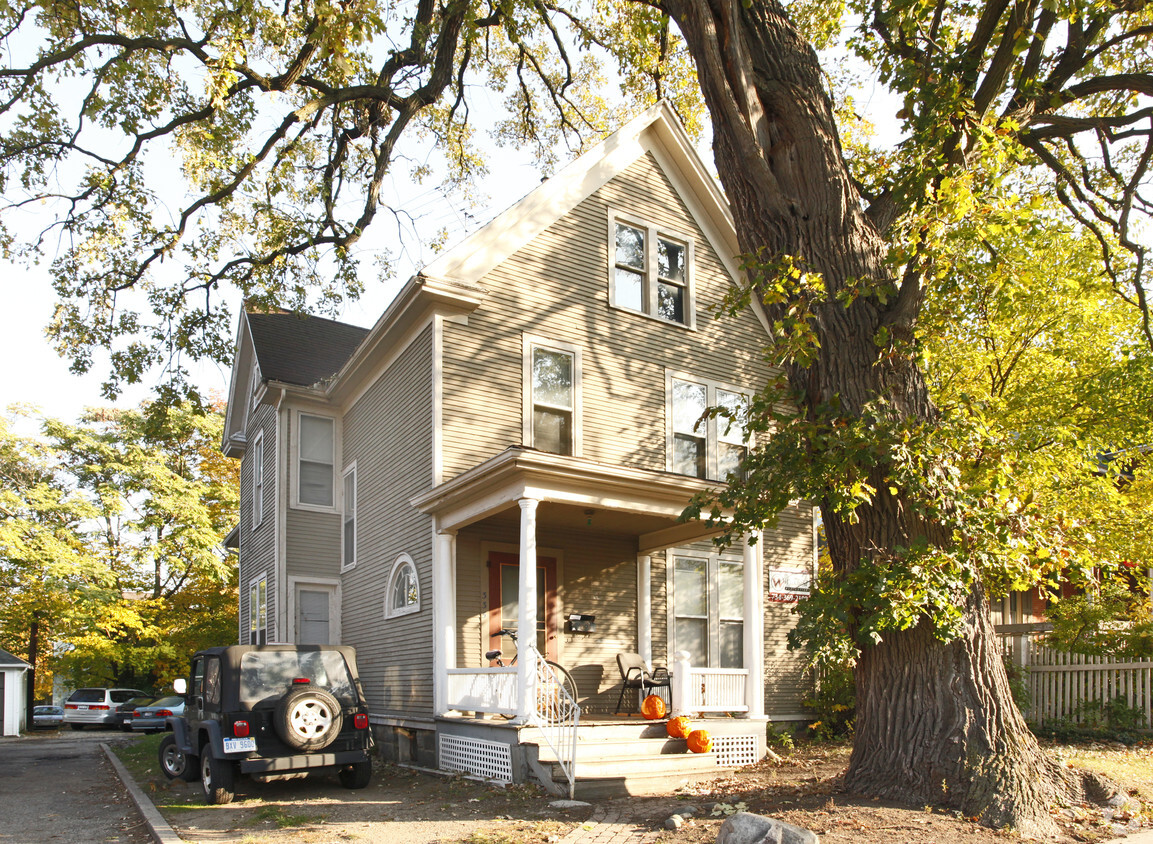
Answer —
(573, 556)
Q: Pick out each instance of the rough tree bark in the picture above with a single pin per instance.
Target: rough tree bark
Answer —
(936, 723)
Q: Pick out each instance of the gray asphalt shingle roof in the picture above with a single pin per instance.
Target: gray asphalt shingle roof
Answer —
(7, 660)
(301, 349)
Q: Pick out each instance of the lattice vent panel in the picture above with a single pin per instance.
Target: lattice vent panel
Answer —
(734, 751)
(488, 760)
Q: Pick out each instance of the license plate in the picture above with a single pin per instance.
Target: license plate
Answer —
(82, 706)
(239, 745)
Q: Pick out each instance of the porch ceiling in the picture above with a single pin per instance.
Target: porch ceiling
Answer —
(631, 502)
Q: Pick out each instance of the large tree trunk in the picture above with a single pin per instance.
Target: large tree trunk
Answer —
(936, 723)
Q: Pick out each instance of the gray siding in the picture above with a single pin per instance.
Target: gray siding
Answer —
(387, 433)
(557, 287)
(791, 546)
(258, 544)
(312, 543)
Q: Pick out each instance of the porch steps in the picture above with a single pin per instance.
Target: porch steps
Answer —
(630, 759)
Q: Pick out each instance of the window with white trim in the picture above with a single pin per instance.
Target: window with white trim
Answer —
(552, 373)
(708, 608)
(403, 595)
(711, 447)
(650, 271)
(316, 447)
(258, 611)
(348, 534)
(258, 479)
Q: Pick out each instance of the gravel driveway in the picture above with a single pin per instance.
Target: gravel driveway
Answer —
(58, 786)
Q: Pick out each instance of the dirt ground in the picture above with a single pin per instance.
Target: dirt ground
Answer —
(402, 806)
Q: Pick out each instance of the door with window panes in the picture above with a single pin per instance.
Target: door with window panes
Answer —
(707, 608)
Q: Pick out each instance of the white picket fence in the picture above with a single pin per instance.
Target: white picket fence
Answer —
(1060, 683)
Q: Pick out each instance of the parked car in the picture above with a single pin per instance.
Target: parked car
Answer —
(96, 706)
(47, 717)
(271, 712)
(153, 717)
(124, 711)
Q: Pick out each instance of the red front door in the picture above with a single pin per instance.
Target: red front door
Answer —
(503, 611)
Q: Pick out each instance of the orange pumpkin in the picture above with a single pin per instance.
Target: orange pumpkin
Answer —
(678, 727)
(653, 707)
(700, 741)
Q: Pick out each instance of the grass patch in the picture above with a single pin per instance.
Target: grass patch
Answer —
(141, 757)
(281, 819)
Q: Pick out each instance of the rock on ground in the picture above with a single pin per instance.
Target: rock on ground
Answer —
(747, 828)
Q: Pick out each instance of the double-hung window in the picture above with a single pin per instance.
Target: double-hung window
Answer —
(708, 609)
(706, 447)
(348, 537)
(258, 611)
(258, 479)
(650, 271)
(315, 457)
(552, 396)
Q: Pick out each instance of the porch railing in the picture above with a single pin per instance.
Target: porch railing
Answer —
(557, 716)
(718, 690)
(482, 690)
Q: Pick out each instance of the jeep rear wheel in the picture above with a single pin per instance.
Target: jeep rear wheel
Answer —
(216, 777)
(356, 775)
(308, 718)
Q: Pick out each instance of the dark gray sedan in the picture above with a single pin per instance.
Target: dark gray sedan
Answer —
(153, 718)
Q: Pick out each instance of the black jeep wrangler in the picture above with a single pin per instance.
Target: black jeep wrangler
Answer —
(272, 712)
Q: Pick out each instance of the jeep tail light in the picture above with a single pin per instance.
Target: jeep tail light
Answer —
(300, 681)
(360, 721)
(240, 729)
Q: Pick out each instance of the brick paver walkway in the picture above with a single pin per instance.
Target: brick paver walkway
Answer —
(610, 825)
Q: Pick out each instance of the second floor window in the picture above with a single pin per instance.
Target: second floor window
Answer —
(650, 272)
(706, 447)
(316, 448)
(552, 396)
(258, 479)
(348, 559)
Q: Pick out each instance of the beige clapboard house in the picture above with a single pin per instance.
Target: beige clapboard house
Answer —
(532, 394)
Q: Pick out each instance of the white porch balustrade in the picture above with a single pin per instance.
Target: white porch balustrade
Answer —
(483, 690)
(698, 689)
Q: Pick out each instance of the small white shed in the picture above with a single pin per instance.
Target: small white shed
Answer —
(13, 682)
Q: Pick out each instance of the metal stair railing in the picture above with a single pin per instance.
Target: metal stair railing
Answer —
(557, 716)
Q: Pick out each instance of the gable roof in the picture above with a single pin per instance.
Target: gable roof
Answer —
(7, 660)
(301, 349)
(656, 131)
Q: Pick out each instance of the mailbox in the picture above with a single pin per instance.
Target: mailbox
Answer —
(581, 623)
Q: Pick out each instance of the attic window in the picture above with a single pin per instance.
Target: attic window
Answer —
(650, 271)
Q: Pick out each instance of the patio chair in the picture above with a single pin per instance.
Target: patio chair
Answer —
(636, 675)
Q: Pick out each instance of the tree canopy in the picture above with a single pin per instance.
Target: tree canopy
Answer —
(111, 541)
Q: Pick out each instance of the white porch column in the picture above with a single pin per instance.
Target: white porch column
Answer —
(754, 628)
(526, 623)
(443, 616)
(682, 685)
(645, 608)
